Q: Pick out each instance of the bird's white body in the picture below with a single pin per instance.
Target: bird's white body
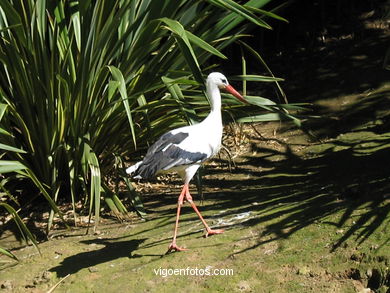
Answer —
(202, 138)
(184, 149)
(205, 138)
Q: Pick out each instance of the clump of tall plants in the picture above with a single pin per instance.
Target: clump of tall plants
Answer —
(84, 84)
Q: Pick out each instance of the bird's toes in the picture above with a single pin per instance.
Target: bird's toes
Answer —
(212, 232)
(173, 248)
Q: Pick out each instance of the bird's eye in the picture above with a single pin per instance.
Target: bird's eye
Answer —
(224, 81)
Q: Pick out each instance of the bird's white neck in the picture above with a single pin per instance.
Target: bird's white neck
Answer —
(215, 97)
(214, 119)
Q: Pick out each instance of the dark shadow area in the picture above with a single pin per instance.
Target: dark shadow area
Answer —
(113, 249)
(327, 49)
(369, 111)
(341, 52)
(32, 214)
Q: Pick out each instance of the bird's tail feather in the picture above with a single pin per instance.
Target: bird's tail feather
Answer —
(132, 169)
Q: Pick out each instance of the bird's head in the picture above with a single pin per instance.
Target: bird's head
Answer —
(221, 81)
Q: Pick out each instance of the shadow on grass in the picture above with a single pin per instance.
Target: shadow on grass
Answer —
(303, 193)
(113, 249)
(369, 109)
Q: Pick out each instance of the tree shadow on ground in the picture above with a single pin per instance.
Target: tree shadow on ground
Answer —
(305, 192)
(347, 175)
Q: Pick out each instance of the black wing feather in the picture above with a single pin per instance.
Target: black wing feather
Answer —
(164, 154)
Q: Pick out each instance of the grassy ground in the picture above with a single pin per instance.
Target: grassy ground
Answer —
(300, 214)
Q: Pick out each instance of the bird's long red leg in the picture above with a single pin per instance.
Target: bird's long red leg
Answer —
(209, 231)
(173, 246)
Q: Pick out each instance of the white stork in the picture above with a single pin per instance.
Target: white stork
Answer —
(184, 149)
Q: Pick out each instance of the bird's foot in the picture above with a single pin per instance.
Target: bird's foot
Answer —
(173, 247)
(212, 232)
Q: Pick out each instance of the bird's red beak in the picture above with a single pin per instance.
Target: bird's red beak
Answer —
(235, 93)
